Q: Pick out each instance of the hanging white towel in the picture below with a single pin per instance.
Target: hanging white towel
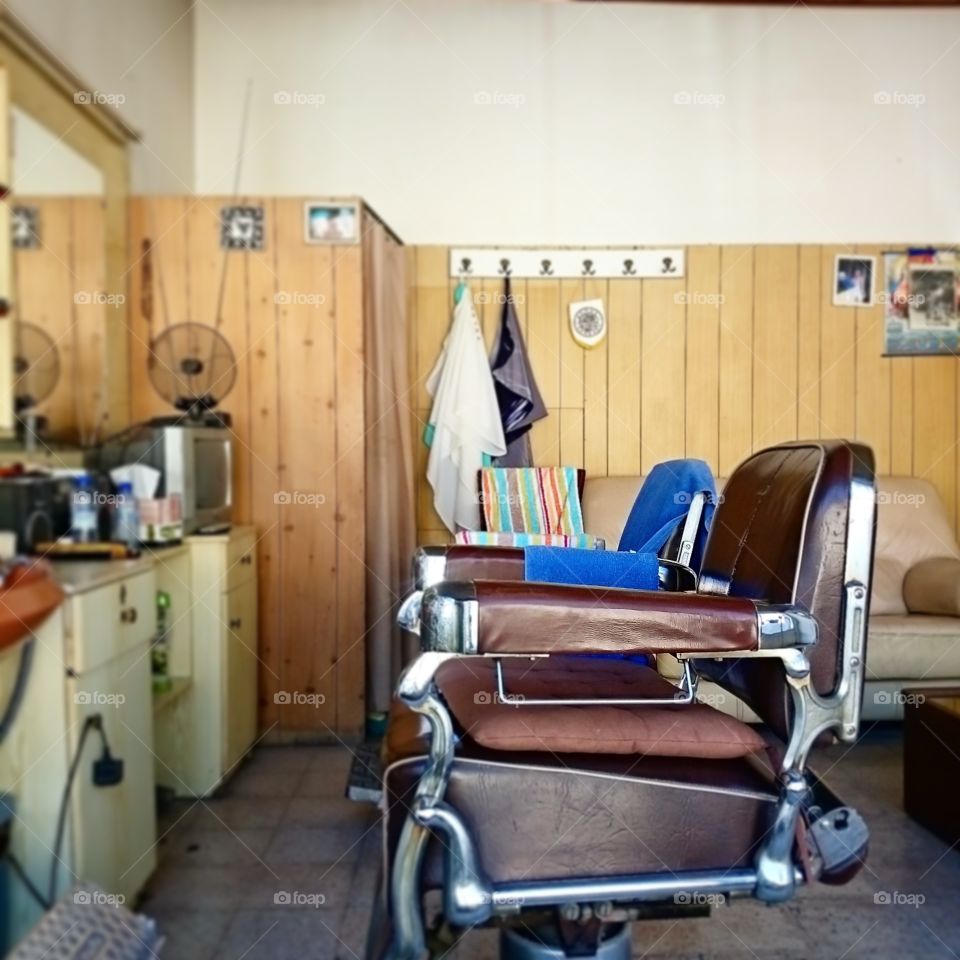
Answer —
(465, 419)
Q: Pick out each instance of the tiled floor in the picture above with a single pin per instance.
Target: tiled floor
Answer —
(282, 831)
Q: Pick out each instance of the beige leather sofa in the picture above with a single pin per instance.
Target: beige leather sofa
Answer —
(917, 564)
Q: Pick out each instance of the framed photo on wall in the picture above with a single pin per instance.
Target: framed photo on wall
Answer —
(331, 222)
(853, 277)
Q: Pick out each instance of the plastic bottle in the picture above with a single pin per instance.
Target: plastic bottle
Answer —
(160, 649)
(83, 511)
(127, 519)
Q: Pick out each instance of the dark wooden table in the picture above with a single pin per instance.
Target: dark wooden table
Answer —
(931, 760)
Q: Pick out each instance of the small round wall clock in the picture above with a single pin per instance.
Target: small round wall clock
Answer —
(588, 322)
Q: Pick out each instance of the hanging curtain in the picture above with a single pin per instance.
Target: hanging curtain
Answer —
(390, 503)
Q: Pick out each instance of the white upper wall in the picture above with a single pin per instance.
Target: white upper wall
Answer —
(141, 50)
(520, 122)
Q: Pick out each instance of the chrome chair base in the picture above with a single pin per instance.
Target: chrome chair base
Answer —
(520, 944)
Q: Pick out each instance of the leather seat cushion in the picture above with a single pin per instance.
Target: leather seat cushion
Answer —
(468, 686)
(550, 817)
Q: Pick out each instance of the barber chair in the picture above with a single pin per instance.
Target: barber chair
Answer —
(561, 797)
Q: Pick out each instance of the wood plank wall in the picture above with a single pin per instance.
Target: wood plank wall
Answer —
(744, 351)
(59, 286)
(293, 315)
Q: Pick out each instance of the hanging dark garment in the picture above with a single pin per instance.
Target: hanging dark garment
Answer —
(518, 398)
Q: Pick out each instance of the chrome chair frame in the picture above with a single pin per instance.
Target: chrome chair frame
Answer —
(449, 629)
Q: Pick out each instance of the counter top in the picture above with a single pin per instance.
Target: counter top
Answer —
(78, 576)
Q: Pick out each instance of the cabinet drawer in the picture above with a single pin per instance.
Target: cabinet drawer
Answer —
(241, 561)
(111, 620)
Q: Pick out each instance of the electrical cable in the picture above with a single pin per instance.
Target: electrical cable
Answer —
(19, 688)
(27, 882)
(95, 721)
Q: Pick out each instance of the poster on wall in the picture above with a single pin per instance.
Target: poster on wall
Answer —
(921, 302)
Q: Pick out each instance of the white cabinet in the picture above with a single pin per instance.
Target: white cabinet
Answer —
(204, 733)
(108, 630)
(33, 769)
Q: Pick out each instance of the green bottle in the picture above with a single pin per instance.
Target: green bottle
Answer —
(160, 649)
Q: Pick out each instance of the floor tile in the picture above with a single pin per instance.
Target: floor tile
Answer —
(240, 872)
(282, 933)
(193, 934)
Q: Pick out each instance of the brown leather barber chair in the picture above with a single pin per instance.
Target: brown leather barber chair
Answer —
(562, 797)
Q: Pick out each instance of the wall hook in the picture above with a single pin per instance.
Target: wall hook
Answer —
(588, 268)
(668, 265)
(629, 270)
(546, 268)
(466, 266)
(505, 269)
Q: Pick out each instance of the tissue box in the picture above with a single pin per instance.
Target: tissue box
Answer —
(161, 520)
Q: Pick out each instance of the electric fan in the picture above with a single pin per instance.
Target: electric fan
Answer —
(36, 370)
(192, 367)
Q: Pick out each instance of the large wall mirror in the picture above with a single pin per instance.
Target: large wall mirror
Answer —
(63, 341)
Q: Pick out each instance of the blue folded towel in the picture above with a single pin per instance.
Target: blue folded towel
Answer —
(591, 568)
(663, 502)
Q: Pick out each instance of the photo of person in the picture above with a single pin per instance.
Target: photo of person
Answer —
(933, 300)
(853, 281)
(331, 223)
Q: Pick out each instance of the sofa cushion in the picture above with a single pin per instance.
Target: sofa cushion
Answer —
(886, 597)
(912, 526)
(606, 504)
(913, 646)
(933, 586)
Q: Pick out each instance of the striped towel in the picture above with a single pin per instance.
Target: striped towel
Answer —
(486, 538)
(531, 500)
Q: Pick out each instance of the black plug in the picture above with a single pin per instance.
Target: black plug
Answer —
(108, 770)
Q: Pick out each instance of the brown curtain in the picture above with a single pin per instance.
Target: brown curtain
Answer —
(390, 504)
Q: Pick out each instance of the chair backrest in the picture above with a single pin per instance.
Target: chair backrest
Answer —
(795, 523)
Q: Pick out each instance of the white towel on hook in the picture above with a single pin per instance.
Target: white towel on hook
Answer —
(465, 419)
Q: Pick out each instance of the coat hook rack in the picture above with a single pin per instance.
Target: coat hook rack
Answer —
(572, 263)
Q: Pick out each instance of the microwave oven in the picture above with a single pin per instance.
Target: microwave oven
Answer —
(195, 461)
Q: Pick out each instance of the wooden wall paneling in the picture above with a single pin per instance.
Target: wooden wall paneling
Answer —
(935, 426)
(263, 439)
(663, 388)
(774, 345)
(350, 485)
(90, 375)
(46, 288)
(544, 329)
(901, 416)
(873, 374)
(165, 222)
(209, 267)
(736, 356)
(809, 297)
(138, 335)
(837, 357)
(307, 401)
(571, 381)
(596, 414)
(703, 354)
(434, 311)
(624, 316)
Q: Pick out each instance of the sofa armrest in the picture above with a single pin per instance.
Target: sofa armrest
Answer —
(519, 618)
(933, 586)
